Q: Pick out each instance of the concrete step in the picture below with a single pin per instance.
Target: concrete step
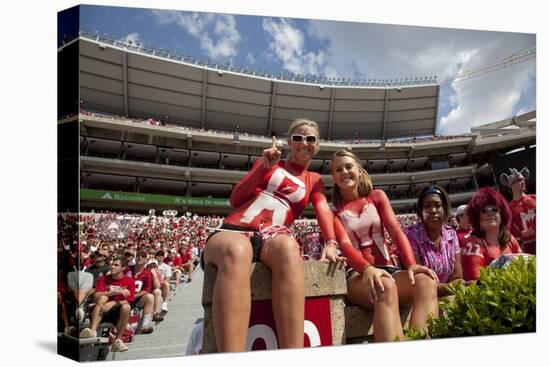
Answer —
(169, 341)
(159, 351)
(163, 334)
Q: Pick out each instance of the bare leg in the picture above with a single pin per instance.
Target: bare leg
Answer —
(122, 320)
(147, 301)
(165, 290)
(61, 302)
(157, 295)
(231, 253)
(422, 296)
(281, 254)
(189, 267)
(386, 322)
(177, 277)
(97, 314)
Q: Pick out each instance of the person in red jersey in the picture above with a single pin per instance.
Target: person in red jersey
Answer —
(464, 227)
(524, 209)
(490, 238)
(113, 292)
(173, 259)
(152, 266)
(266, 201)
(374, 283)
(144, 286)
(187, 260)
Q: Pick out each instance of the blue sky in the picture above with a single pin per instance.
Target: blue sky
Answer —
(345, 50)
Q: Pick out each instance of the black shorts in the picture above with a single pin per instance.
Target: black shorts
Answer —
(112, 315)
(134, 303)
(255, 241)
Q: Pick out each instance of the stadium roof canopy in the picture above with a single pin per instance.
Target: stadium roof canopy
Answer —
(122, 79)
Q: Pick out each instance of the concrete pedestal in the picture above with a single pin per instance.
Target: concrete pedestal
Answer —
(321, 280)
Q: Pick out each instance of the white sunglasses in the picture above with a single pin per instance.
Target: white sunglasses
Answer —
(297, 138)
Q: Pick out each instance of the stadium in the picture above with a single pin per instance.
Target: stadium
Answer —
(146, 129)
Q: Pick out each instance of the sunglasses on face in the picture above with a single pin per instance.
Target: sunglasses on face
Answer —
(297, 138)
(141, 255)
(490, 209)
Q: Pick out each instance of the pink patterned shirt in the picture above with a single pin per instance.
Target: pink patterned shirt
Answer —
(441, 261)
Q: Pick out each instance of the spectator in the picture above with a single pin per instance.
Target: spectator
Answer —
(266, 202)
(99, 267)
(373, 281)
(85, 258)
(152, 266)
(130, 257)
(490, 238)
(464, 226)
(435, 244)
(175, 262)
(187, 259)
(194, 345)
(114, 292)
(143, 299)
(524, 209)
(453, 222)
(195, 252)
(166, 272)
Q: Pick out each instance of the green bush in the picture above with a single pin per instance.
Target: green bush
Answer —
(503, 302)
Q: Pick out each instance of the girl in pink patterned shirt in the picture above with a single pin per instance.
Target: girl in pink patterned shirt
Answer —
(435, 244)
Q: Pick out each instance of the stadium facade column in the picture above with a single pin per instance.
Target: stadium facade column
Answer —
(271, 107)
(124, 56)
(386, 94)
(474, 179)
(331, 113)
(203, 107)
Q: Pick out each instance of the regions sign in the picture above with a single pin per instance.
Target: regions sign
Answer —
(151, 198)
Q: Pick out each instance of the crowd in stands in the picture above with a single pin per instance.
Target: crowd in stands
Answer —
(155, 122)
(99, 252)
(153, 250)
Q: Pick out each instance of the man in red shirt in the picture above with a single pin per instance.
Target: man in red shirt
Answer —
(187, 259)
(523, 207)
(143, 299)
(114, 292)
(174, 260)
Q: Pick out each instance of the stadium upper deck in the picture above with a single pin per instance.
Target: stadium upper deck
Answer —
(133, 81)
(202, 148)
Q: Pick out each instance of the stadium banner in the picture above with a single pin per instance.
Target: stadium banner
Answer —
(262, 333)
(151, 198)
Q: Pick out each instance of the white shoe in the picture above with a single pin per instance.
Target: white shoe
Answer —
(164, 307)
(80, 315)
(88, 333)
(119, 346)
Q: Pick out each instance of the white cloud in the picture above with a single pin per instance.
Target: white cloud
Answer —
(250, 58)
(485, 99)
(287, 42)
(217, 33)
(132, 38)
(393, 51)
